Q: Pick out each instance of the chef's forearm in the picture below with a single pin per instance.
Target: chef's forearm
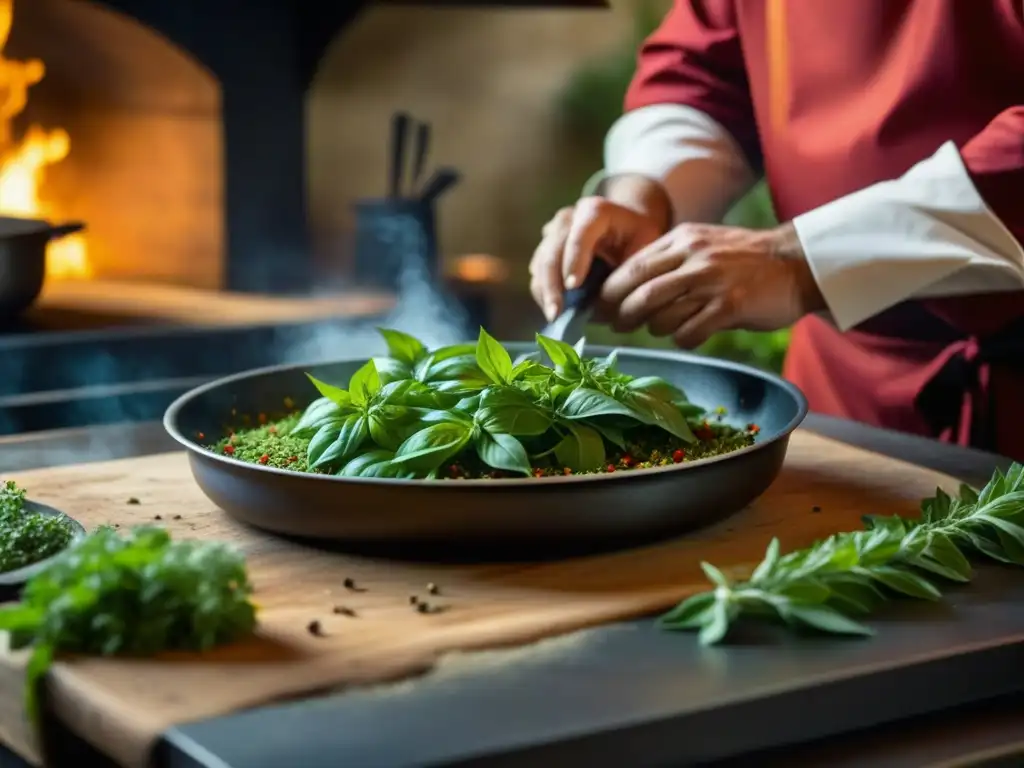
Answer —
(697, 169)
(924, 235)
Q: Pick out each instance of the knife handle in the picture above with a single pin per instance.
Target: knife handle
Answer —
(582, 297)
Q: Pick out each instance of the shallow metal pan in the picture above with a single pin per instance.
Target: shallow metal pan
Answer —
(606, 509)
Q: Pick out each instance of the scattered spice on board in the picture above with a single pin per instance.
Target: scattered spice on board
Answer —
(413, 600)
(350, 584)
(133, 500)
(158, 517)
(177, 517)
(343, 610)
(315, 629)
(432, 588)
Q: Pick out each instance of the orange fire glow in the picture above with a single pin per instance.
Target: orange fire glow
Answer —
(24, 160)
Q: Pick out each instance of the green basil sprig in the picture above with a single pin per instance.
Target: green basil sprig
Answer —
(830, 585)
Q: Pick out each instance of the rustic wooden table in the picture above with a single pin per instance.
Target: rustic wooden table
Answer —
(626, 694)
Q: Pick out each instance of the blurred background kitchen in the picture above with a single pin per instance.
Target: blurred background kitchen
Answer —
(228, 170)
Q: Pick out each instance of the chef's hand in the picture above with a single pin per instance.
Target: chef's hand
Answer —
(699, 279)
(573, 238)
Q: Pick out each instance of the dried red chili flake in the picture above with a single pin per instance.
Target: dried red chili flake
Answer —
(678, 455)
(627, 461)
(538, 472)
(704, 432)
(753, 429)
(566, 471)
(229, 449)
(292, 459)
(610, 468)
(271, 430)
(264, 458)
(200, 436)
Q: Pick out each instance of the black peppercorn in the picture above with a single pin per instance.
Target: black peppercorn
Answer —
(342, 610)
(815, 508)
(133, 500)
(350, 583)
(432, 589)
(314, 628)
(413, 600)
(157, 517)
(423, 607)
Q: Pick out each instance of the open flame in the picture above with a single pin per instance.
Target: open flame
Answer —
(24, 160)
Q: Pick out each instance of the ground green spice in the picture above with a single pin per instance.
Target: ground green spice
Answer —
(271, 445)
(28, 537)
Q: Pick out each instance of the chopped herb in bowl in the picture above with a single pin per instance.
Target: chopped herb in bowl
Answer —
(27, 536)
(469, 411)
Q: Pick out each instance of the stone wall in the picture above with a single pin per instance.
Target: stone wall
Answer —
(488, 81)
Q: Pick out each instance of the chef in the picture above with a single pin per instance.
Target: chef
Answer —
(891, 135)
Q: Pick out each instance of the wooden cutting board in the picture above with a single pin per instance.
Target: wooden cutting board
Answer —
(121, 706)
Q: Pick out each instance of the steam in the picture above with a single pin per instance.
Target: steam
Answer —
(421, 310)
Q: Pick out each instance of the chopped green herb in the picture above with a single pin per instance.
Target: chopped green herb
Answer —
(829, 585)
(135, 594)
(28, 537)
(470, 412)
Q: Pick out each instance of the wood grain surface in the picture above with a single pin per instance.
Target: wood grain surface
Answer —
(122, 706)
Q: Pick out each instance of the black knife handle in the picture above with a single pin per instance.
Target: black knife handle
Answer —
(585, 295)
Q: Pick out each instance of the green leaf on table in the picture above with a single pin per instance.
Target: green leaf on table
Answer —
(905, 582)
(689, 614)
(715, 629)
(822, 618)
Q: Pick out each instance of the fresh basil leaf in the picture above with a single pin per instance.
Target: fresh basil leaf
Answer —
(335, 394)
(717, 626)
(390, 370)
(822, 618)
(690, 410)
(655, 386)
(510, 411)
(563, 356)
(453, 369)
(689, 614)
(429, 448)
(583, 403)
(659, 413)
(375, 463)
(502, 451)
(493, 359)
(390, 425)
(582, 449)
(579, 346)
(944, 552)
(765, 567)
(905, 583)
(453, 350)
(403, 347)
(321, 441)
(714, 575)
(319, 413)
(364, 384)
(609, 432)
(528, 369)
(350, 438)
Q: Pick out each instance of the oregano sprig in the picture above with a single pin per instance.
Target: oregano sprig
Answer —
(829, 585)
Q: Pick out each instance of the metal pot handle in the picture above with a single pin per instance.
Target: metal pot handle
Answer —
(63, 230)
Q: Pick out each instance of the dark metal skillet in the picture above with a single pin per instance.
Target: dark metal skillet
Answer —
(599, 509)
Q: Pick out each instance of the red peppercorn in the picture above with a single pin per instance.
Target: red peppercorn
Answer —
(627, 460)
(678, 455)
(264, 459)
(201, 436)
(753, 429)
(292, 459)
(611, 467)
(229, 449)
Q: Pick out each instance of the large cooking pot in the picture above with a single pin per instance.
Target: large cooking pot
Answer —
(23, 260)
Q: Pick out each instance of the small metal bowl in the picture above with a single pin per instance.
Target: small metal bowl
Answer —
(12, 582)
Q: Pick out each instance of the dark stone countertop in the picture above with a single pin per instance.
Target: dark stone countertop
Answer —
(629, 695)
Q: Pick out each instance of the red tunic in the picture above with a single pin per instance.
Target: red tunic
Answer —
(830, 96)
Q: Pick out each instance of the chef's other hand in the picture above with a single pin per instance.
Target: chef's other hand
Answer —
(699, 279)
(575, 236)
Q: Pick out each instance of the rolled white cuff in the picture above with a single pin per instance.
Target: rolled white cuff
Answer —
(926, 234)
(698, 162)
